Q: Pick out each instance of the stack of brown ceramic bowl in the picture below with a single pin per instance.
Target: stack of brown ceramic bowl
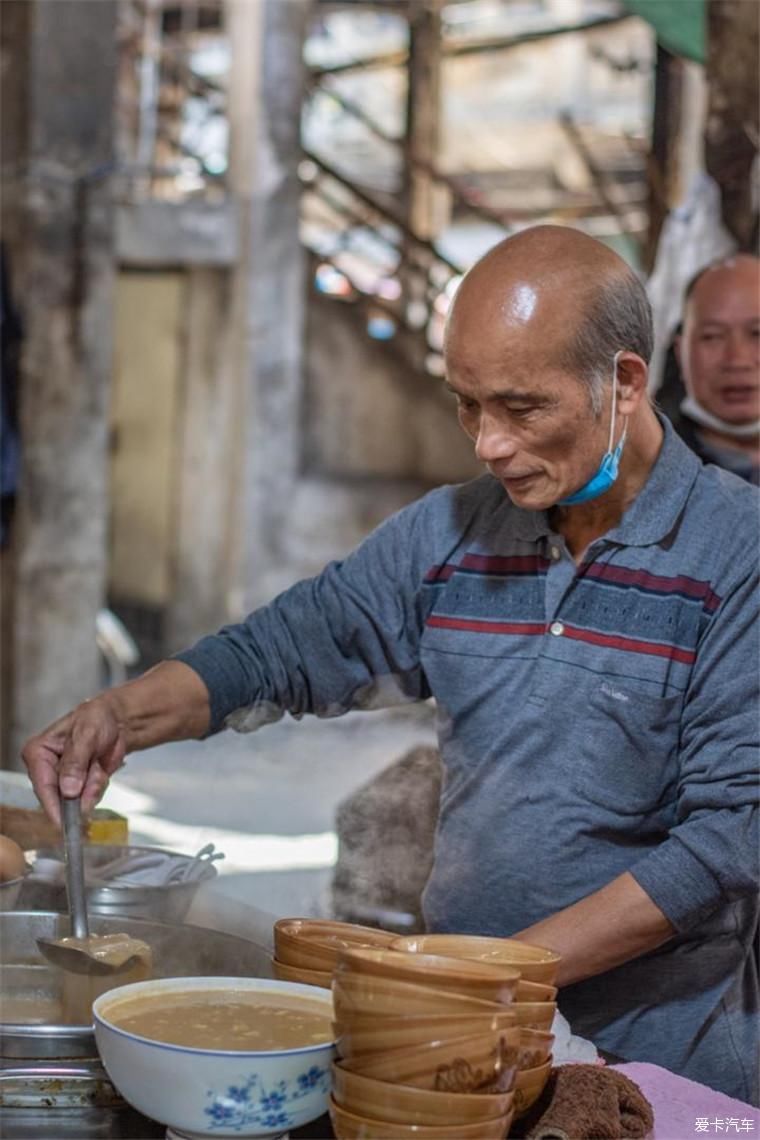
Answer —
(428, 1046)
(534, 1001)
(306, 949)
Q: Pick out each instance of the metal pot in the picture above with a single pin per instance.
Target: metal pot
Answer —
(169, 903)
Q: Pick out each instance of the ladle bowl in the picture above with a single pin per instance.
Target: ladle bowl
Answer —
(81, 954)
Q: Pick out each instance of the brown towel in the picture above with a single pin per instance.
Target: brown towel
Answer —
(587, 1102)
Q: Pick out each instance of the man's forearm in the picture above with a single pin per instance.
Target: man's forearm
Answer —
(169, 702)
(607, 928)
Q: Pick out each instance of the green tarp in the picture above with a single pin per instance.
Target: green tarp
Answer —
(679, 24)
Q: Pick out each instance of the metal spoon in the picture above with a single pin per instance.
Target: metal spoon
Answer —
(78, 958)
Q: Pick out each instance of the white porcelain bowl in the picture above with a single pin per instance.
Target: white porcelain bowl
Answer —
(203, 1093)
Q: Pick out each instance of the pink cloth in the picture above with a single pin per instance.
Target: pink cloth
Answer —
(685, 1110)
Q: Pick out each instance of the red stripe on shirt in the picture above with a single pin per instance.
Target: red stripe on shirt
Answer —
(504, 564)
(630, 644)
(474, 625)
(659, 584)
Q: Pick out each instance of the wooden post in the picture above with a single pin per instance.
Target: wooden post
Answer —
(58, 223)
(424, 200)
(423, 116)
(663, 155)
(732, 133)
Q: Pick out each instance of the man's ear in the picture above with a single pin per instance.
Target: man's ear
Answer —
(632, 376)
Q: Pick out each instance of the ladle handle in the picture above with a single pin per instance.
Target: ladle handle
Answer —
(72, 840)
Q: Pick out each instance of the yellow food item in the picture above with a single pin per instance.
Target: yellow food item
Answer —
(106, 826)
(12, 862)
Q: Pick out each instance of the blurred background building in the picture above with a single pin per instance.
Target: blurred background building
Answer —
(231, 230)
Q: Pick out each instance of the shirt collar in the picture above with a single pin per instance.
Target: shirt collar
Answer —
(655, 510)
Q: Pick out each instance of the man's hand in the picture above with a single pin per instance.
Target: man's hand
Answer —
(79, 753)
(76, 755)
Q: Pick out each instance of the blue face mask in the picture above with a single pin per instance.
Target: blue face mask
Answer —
(607, 472)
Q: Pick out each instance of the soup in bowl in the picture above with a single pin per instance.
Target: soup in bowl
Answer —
(245, 1057)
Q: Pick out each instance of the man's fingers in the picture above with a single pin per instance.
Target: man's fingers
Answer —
(95, 786)
(46, 790)
(81, 753)
(41, 756)
(75, 757)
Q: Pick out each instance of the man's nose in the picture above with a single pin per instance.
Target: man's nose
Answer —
(494, 440)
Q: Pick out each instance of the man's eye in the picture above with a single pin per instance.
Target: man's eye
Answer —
(466, 405)
(522, 413)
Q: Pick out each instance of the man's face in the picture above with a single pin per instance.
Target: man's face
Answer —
(718, 349)
(532, 423)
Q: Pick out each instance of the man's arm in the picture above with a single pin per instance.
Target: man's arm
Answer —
(607, 928)
(80, 752)
(710, 856)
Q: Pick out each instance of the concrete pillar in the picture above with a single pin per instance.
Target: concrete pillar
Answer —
(267, 84)
(58, 223)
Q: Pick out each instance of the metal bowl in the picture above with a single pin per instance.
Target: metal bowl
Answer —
(169, 903)
(10, 891)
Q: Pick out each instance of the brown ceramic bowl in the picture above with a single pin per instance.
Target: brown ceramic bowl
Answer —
(313, 944)
(370, 1036)
(308, 977)
(403, 1104)
(535, 963)
(529, 1084)
(365, 995)
(535, 1047)
(535, 991)
(486, 1062)
(534, 1014)
(484, 980)
(350, 1126)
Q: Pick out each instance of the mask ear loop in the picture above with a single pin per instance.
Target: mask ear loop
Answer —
(615, 360)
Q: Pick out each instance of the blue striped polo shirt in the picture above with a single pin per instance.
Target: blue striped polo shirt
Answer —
(592, 719)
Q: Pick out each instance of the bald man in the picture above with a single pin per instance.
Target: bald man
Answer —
(718, 352)
(585, 616)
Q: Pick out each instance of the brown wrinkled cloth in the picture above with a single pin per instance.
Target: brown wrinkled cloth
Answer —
(587, 1102)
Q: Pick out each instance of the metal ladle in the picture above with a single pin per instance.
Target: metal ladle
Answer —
(82, 958)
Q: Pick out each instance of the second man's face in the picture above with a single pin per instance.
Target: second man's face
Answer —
(719, 350)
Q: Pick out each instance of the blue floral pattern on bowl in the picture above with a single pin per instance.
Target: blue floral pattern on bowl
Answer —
(251, 1104)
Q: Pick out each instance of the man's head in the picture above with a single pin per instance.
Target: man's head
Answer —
(718, 347)
(530, 344)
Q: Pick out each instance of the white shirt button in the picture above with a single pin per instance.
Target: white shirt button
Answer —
(556, 553)
(557, 628)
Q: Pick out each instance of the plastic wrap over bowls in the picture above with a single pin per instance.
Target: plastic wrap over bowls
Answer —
(362, 1036)
(215, 1093)
(485, 1062)
(402, 1104)
(535, 963)
(367, 995)
(529, 1084)
(351, 1126)
(314, 944)
(484, 981)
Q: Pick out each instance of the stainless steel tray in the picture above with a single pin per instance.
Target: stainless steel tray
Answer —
(178, 951)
